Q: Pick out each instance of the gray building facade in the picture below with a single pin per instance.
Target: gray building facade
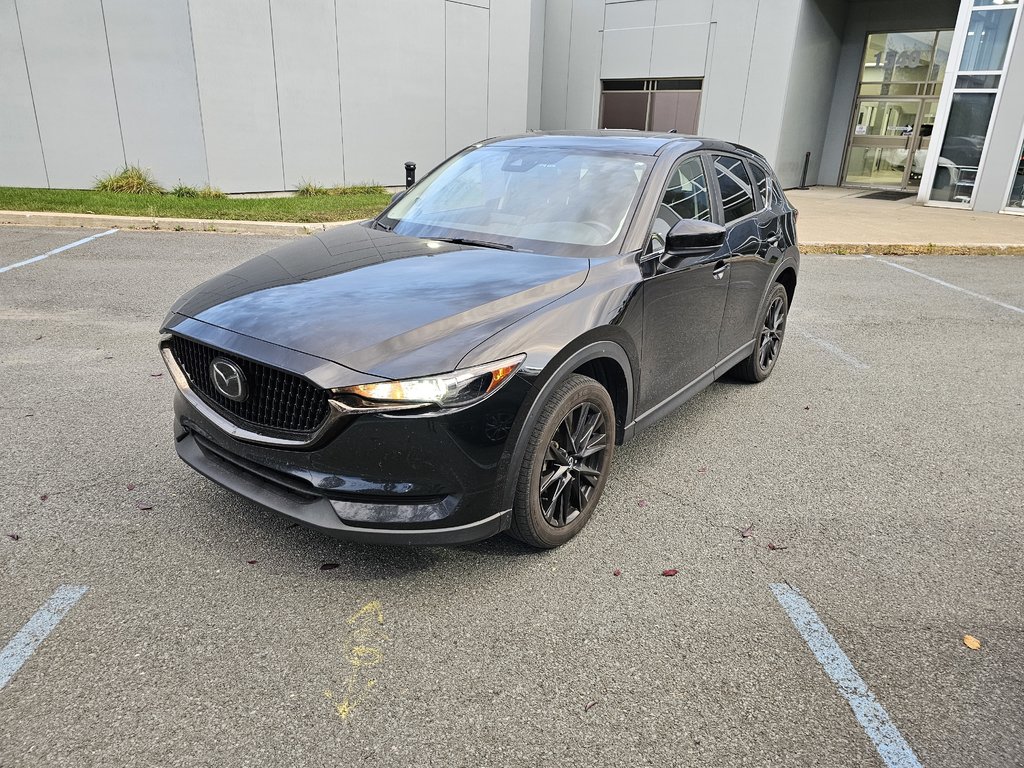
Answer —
(922, 97)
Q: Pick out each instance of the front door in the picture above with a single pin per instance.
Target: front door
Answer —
(683, 300)
(895, 108)
(889, 142)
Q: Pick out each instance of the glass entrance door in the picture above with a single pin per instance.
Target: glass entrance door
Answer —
(894, 113)
(889, 142)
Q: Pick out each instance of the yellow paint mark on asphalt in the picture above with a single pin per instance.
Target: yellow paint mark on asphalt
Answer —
(365, 635)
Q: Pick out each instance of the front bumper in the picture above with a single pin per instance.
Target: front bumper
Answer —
(374, 478)
(319, 513)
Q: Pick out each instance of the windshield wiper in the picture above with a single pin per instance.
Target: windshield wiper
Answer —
(470, 241)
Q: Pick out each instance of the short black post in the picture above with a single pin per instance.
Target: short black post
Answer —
(803, 177)
(410, 174)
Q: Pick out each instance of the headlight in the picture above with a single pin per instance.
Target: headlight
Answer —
(457, 389)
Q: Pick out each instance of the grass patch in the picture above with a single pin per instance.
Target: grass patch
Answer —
(355, 203)
(131, 180)
(312, 189)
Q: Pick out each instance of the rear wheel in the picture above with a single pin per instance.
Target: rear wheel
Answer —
(566, 466)
(768, 344)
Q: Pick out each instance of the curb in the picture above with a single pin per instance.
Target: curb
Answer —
(913, 249)
(38, 219)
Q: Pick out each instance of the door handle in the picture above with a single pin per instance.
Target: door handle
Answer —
(720, 269)
(774, 239)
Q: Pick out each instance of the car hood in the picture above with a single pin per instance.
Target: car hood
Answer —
(381, 303)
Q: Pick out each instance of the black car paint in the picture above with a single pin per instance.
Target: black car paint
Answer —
(338, 309)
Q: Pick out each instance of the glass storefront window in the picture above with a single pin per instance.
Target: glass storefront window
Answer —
(1016, 199)
(988, 37)
(903, 63)
(961, 150)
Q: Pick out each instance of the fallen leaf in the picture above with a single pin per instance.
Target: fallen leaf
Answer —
(642, 503)
(130, 486)
(702, 470)
(747, 532)
(669, 572)
(156, 375)
(251, 562)
(617, 572)
(972, 642)
(44, 497)
(143, 505)
(38, 338)
(590, 706)
(776, 547)
(13, 536)
(109, 357)
(328, 566)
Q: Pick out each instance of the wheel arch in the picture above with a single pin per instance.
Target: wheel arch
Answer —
(603, 359)
(787, 277)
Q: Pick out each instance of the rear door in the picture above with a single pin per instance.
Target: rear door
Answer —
(748, 247)
(683, 299)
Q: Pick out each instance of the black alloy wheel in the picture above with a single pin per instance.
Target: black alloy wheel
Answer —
(572, 464)
(566, 466)
(768, 342)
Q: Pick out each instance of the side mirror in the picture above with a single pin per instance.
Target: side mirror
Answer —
(397, 196)
(690, 237)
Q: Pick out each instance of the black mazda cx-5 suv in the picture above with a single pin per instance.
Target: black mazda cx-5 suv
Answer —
(466, 363)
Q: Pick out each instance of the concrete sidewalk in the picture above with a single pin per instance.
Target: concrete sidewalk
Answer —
(841, 220)
(832, 220)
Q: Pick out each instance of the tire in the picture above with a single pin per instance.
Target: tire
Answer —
(770, 331)
(564, 451)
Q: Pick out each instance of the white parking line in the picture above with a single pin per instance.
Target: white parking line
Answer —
(835, 349)
(56, 250)
(891, 746)
(36, 629)
(943, 283)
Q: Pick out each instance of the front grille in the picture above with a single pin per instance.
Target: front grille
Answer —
(276, 400)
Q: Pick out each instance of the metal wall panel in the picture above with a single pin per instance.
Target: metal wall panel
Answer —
(466, 81)
(238, 93)
(21, 155)
(66, 51)
(680, 50)
(155, 82)
(557, 40)
(510, 68)
(306, 53)
(397, 114)
(725, 83)
(584, 93)
(638, 13)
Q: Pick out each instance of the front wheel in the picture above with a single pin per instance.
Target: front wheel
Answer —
(768, 344)
(566, 466)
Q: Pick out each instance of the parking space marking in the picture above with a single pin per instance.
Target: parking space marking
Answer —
(891, 746)
(56, 250)
(943, 283)
(37, 629)
(835, 349)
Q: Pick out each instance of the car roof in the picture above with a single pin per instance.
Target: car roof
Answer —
(625, 141)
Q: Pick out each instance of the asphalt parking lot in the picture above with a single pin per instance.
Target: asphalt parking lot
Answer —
(877, 473)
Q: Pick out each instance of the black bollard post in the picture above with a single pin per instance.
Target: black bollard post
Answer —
(410, 174)
(803, 177)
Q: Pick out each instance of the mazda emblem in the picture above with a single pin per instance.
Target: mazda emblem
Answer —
(228, 379)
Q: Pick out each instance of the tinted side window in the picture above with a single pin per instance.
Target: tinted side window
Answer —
(737, 193)
(686, 196)
(763, 185)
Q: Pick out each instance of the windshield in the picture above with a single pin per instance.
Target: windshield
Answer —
(545, 199)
